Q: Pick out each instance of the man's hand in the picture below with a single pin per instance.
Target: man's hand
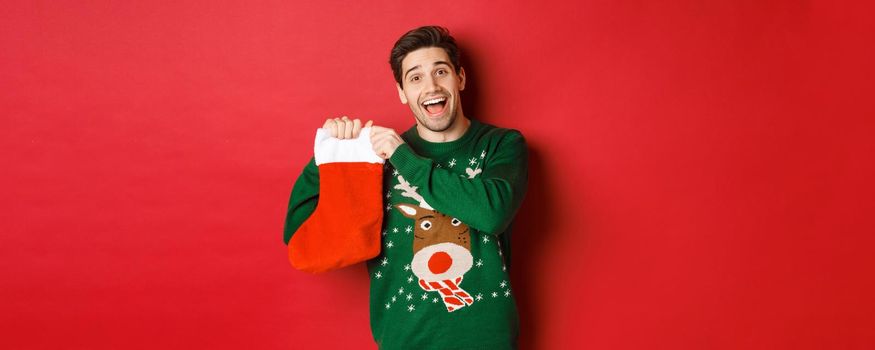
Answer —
(385, 141)
(344, 128)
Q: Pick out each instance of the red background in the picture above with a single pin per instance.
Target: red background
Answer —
(699, 170)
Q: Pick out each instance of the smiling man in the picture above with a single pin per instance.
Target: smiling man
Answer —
(452, 188)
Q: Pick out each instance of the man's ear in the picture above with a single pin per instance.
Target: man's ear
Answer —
(401, 94)
(461, 78)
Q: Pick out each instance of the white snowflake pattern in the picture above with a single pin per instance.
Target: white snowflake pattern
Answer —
(485, 239)
(388, 207)
(494, 294)
(401, 290)
(407, 267)
(394, 172)
(393, 299)
(507, 293)
(479, 297)
(385, 261)
(503, 284)
(389, 194)
(388, 305)
(472, 161)
(408, 229)
(409, 279)
(378, 275)
(479, 262)
(482, 154)
(409, 296)
(390, 244)
(434, 300)
(410, 308)
(439, 165)
(394, 230)
(385, 232)
(424, 296)
(452, 163)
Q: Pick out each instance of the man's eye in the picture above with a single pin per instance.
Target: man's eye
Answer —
(416, 78)
(441, 72)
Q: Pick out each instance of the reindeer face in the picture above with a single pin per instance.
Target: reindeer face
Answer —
(433, 227)
(441, 244)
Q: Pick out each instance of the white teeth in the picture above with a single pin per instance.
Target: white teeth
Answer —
(433, 101)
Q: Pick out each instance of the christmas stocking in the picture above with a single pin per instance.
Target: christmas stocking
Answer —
(345, 228)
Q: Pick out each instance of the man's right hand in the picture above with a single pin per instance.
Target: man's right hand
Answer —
(345, 128)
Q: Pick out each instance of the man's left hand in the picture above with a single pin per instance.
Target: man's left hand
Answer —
(385, 141)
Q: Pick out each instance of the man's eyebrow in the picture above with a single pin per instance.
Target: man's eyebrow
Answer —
(412, 68)
(442, 62)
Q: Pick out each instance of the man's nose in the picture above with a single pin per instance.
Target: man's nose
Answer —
(431, 84)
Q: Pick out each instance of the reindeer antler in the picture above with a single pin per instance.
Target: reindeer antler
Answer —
(410, 192)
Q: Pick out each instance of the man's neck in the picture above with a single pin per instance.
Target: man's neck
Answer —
(454, 132)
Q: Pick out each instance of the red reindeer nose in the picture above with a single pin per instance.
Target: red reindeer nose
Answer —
(440, 262)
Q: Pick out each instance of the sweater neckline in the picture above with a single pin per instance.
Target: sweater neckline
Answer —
(439, 148)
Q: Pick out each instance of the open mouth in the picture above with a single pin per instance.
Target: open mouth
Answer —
(435, 106)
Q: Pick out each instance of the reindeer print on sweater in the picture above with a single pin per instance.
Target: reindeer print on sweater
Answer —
(441, 249)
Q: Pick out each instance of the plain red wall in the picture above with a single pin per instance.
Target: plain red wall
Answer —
(700, 170)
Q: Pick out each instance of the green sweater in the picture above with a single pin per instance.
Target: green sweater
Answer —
(441, 280)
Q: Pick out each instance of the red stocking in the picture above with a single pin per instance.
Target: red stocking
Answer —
(345, 228)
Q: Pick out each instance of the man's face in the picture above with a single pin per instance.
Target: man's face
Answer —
(431, 87)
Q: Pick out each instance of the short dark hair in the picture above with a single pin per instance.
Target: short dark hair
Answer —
(427, 36)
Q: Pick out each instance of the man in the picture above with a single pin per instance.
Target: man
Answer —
(452, 187)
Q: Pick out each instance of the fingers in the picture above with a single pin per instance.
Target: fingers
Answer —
(379, 132)
(348, 127)
(345, 128)
(384, 141)
(331, 126)
(379, 149)
(376, 130)
(341, 128)
(356, 128)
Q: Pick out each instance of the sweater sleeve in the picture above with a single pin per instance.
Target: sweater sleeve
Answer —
(487, 203)
(303, 200)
